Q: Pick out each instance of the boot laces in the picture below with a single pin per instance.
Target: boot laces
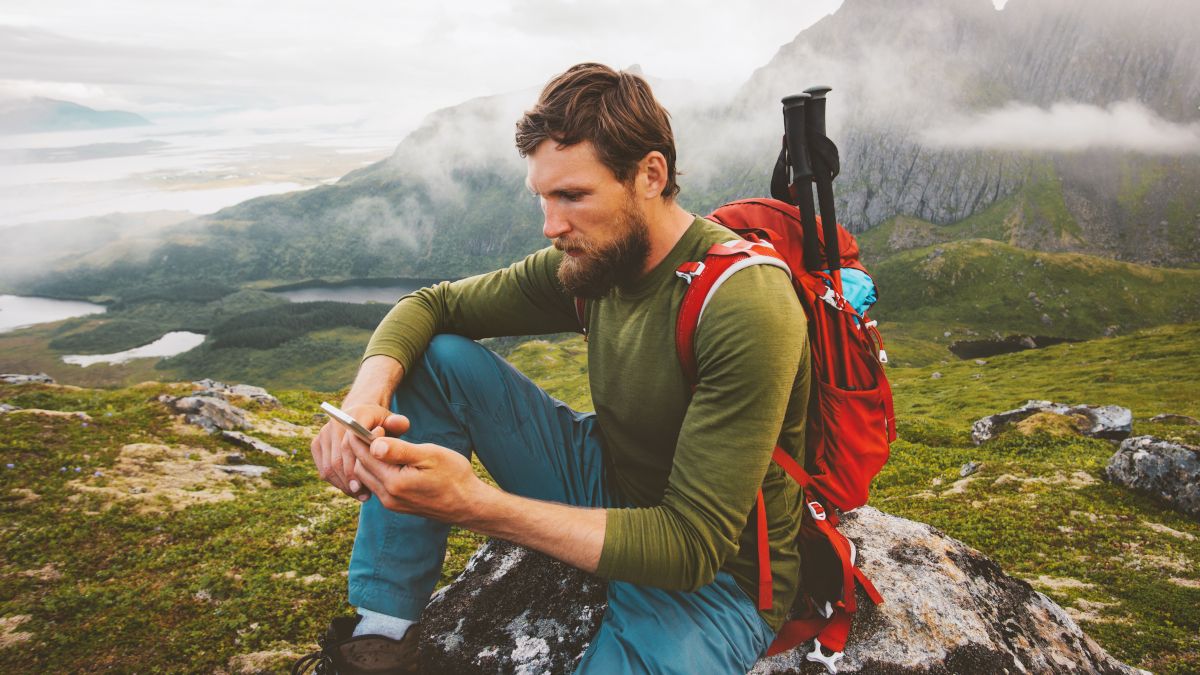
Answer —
(319, 662)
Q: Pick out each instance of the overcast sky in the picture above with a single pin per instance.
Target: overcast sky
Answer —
(389, 62)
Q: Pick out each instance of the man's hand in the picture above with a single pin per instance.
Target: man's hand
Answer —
(436, 482)
(419, 478)
(332, 451)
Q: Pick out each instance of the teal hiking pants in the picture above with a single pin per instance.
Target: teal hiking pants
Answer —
(462, 396)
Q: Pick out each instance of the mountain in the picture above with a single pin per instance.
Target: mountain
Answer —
(47, 114)
(908, 76)
(99, 240)
(944, 110)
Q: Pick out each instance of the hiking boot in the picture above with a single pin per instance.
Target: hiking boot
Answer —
(342, 654)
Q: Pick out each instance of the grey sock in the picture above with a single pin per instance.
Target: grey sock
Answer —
(374, 623)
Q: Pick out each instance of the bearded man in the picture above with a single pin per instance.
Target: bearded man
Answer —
(654, 490)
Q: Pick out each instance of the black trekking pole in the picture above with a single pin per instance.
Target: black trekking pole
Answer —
(825, 165)
(824, 158)
(800, 186)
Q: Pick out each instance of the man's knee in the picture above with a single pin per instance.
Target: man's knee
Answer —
(455, 358)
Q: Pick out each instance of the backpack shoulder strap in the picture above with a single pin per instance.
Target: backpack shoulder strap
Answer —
(720, 262)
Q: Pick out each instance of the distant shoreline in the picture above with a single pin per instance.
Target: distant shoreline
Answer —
(381, 282)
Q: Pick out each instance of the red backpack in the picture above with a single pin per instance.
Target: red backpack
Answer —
(851, 421)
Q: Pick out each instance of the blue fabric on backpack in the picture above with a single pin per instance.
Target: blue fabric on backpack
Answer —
(858, 289)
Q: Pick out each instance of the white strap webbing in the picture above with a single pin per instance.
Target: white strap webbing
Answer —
(741, 265)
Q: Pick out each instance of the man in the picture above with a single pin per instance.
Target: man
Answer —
(655, 489)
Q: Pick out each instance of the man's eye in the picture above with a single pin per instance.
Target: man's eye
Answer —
(572, 196)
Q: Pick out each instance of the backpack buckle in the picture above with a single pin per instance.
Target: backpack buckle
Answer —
(817, 511)
(689, 271)
(830, 662)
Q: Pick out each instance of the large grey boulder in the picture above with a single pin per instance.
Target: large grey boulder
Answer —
(18, 378)
(1107, 421)
(210, 412)
(947, 609)
(1165, 470)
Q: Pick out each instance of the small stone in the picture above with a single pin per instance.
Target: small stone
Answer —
(10, 466)
(936, 376)
(250, 470)
(980, 362)
(946, 334)
(968, 469)
(251, 443)
(1171, 418)
(78, 469)
(98, 473)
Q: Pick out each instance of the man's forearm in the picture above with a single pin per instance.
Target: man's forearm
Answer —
(572, 534)
(377, 378)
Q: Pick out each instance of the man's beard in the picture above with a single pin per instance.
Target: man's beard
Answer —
(594, 272)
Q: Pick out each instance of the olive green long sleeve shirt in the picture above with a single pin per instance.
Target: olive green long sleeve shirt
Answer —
(689, 465)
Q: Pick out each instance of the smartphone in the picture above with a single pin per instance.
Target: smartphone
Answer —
(348, 422)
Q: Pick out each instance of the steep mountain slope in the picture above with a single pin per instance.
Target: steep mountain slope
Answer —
(907, 75)
(994, 288)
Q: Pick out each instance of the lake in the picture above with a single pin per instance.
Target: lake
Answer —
(175, 342)
(357, 291)
(18, 311)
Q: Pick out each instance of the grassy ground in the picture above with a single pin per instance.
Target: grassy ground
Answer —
(144, 560)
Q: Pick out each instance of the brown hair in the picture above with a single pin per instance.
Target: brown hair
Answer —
(616, 111)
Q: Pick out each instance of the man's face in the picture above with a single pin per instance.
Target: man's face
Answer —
(591, 216)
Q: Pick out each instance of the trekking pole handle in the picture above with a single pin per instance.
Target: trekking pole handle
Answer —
(815, 117)
(793, 129)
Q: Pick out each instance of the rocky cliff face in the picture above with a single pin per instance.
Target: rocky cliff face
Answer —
(902, 71)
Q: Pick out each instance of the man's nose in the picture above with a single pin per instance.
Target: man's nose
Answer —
(556, 223)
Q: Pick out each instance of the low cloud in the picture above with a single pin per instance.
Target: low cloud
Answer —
(1068, 127)
(384, 224)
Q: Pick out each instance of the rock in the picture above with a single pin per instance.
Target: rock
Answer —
(251, 470)
(968, 469)
(1165, 470)
(235, 458)
(226, 391)
(1171, 418)
(947, 609)
(511, 610)
(4, 407)
(210, 412)
(1109, 421)
(936, 376)
(68, 414)
(17, 378)
(252, 443)
(980, 362)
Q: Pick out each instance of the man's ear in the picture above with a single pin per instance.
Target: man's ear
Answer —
(652, 175)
